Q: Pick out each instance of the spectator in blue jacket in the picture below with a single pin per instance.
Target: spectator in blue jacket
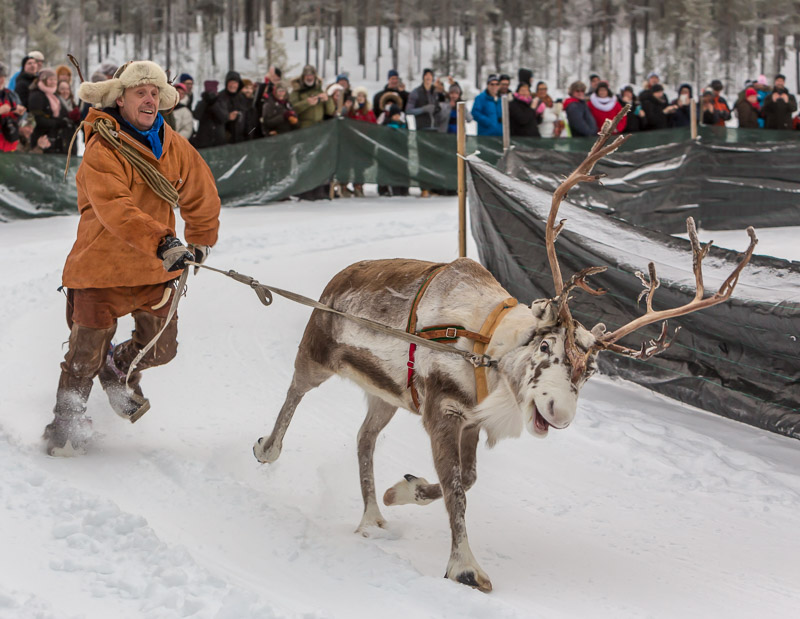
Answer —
(581, 121)
(487, 110)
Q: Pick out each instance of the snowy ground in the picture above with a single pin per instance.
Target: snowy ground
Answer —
(642, 508)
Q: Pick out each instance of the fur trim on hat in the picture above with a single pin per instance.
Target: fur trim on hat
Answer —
(105, 94)
(390, 97)
(362, 90)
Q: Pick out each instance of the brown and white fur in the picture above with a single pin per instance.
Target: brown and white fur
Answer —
(530, 388)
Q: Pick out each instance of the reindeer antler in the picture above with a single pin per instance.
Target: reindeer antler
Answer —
(653, 347)
(581, 174)
(649, 348)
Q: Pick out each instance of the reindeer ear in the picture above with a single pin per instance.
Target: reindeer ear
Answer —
(545, 311)
(598, 330)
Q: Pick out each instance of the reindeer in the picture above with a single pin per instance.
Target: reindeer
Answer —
(544, 357)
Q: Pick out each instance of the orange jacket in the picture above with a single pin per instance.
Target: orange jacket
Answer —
(123, 221)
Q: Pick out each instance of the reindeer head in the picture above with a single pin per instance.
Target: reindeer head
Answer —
(539, 373)
(542, 378)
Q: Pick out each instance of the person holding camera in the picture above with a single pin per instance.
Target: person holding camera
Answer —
(10, 114)
(424, 103)
(52, 118)
(683, 107)
(232, 105)
(779, 106)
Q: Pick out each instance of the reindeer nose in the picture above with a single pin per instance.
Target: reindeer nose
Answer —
(551, 413)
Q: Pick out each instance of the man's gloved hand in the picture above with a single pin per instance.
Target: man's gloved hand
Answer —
(174, 254)
(428, 109)
(200, 254)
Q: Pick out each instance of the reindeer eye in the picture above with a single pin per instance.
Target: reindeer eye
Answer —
(544, 347)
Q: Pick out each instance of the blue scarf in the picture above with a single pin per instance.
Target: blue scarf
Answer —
(151, 135)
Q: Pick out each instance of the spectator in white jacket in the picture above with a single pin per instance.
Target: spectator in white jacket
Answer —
(184, 121)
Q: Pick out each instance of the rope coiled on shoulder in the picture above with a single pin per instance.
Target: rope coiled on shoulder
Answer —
(154, 179)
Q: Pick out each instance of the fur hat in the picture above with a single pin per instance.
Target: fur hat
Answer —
(130, 75)
(390, 97)
(361, 90)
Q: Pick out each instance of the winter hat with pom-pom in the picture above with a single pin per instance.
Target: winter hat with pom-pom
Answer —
(132, 74)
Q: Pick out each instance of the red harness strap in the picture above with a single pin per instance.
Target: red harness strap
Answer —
(450, 334)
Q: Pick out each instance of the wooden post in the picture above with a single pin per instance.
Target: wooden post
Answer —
(506, 125)
(462, 179)
(693, 118)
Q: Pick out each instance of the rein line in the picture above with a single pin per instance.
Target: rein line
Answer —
(264, 294)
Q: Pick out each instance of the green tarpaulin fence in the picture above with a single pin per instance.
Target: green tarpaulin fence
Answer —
(270, 169)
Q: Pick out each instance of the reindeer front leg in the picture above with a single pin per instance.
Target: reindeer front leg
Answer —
(444, 420)
(419, 491)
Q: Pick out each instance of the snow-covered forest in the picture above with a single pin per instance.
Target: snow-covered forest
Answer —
(560, 40)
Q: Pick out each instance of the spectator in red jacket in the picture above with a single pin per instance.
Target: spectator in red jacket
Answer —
(360, 107)
(603, 105)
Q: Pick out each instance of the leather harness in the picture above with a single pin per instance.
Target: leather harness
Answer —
(450, 333)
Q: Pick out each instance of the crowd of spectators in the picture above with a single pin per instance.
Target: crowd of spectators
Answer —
(39, 113)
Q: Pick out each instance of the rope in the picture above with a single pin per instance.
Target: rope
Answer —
(173, 307)
(154, 179)
(264, 294)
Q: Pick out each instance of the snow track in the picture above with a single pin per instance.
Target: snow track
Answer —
(642, 508)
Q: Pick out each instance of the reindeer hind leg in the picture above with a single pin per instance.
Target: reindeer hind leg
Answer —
(379, 414)
(307, 376)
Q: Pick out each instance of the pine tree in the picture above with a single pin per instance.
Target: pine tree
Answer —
(43, 32)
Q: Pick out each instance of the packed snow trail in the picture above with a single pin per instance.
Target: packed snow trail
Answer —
(643, 507)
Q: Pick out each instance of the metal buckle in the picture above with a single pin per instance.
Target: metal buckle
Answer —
(451, 333)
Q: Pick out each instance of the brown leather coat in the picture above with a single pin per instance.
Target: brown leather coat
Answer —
(122, 220)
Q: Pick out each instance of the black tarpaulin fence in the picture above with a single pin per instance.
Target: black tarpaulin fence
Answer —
(728, 176)
(740, 359)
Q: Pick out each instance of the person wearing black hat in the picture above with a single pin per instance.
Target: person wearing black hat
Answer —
(722, 110)
(594, 80)
(25, 78)
(779, 106)
(580, 119)
(487, 109)
(380, 103)
(212, 119)
(683, 107)
(425, 103)
(505, 85)
(657, 109)
(525, 76)
(188, 83)
(635, 119)
(393, 84)
(232, 104)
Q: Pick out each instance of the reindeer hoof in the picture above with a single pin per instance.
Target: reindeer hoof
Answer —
(405, 492)
(365, 528)
(474, 578)
(471, 579)
(266, 452)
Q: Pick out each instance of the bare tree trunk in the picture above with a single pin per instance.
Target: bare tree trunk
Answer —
(361, 30)
(396, 38)
(797, 62)
(479, 42)
(308, 45)
(168, 31)
(646, 42)
(558, 41)
(230, 36)
(249, 21)
(634, 48)
(378, 52)
(316, 39)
